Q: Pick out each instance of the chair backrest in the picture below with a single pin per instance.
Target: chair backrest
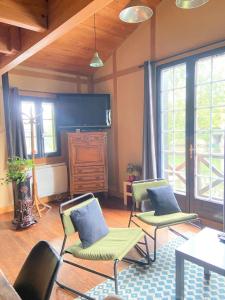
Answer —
(65, 214)
(139, 189)
(37, 275)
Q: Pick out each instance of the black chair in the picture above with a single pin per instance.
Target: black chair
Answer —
(37, 276)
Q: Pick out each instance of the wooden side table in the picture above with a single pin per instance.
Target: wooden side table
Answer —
(126, 191)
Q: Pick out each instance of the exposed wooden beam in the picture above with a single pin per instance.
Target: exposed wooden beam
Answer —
(26, 14)
(64, 15)
(9, 40)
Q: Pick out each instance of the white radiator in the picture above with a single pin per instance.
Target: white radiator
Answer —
(51, 179)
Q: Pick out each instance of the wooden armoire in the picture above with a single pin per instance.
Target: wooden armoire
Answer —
(87, 162)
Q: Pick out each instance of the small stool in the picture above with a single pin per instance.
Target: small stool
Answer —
(126, 191)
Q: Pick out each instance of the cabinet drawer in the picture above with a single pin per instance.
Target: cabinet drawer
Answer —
(87, 139)
(89, 177)
(88, 170)
(88, 187)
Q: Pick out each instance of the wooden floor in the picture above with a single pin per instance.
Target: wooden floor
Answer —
(15, 246)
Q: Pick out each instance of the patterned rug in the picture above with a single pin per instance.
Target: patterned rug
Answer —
(157, 282)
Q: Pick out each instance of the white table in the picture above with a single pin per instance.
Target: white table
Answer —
(205, 250)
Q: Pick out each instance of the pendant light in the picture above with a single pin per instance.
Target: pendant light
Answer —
(96, 61)
(136, 12)
(189, 4)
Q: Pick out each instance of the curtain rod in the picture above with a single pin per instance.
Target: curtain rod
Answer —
(185, 52)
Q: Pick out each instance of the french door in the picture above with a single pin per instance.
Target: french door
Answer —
(191, 118)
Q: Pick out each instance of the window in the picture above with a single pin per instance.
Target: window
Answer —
(209, 127)
(45, 142)
(173, 114)
(191, 114)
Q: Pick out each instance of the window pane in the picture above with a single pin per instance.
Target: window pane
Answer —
(218, 142)
(179, 120)
(202, 143)
(203, 165)
(217, 166)
(218, 67)
(218, 93)
(167, 120)
(179, 141)
(168, 141)
(28, 110)
(168, 161)
(203, 95)
(179, 182)
(204, 70)
(218, 118)
(218, 190)
(167, 79)
(49, 145)
(47, 110)
(203, 119)
(167, 100)
(179, 99)
(203, 187)
(180, 76)
(48, 128)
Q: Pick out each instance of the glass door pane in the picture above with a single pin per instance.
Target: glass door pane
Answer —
(209, 128)
(173, 118)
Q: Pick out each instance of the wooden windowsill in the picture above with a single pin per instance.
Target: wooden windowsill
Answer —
(49, 160)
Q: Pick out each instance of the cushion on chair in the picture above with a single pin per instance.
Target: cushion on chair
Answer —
(165, 220)
(90, 223)
(139, 189)
(163, 200)
(115, 245)
(67, 222)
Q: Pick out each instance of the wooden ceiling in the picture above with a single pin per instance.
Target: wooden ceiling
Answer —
(58, 35)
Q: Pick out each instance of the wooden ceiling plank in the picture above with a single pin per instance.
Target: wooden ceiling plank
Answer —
(26, 14)
(64, 15)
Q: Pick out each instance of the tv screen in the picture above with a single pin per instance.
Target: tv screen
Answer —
(83, 110)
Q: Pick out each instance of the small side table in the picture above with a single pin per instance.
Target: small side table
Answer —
(126, 191)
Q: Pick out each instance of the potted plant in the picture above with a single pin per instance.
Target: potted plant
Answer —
(133, 171)
(19, 175)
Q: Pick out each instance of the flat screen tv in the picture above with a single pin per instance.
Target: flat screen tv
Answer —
(83, 111)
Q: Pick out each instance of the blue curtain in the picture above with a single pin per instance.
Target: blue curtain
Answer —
(149, 169)
(13, 120)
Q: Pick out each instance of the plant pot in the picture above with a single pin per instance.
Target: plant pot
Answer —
(23, 204)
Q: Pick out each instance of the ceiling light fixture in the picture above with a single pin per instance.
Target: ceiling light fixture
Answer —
(96, 61)
(135, 12)
(189, 4)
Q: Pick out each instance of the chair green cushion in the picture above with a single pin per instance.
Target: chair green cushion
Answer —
(115, 245)
(139, 189)
(175, 218)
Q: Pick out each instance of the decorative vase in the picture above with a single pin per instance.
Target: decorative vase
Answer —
(23, 204)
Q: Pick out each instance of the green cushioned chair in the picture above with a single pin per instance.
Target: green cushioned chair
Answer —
(140, 195)
(113, 247)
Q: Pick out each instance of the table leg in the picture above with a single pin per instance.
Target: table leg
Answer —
(206, 274)
(179, 276)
